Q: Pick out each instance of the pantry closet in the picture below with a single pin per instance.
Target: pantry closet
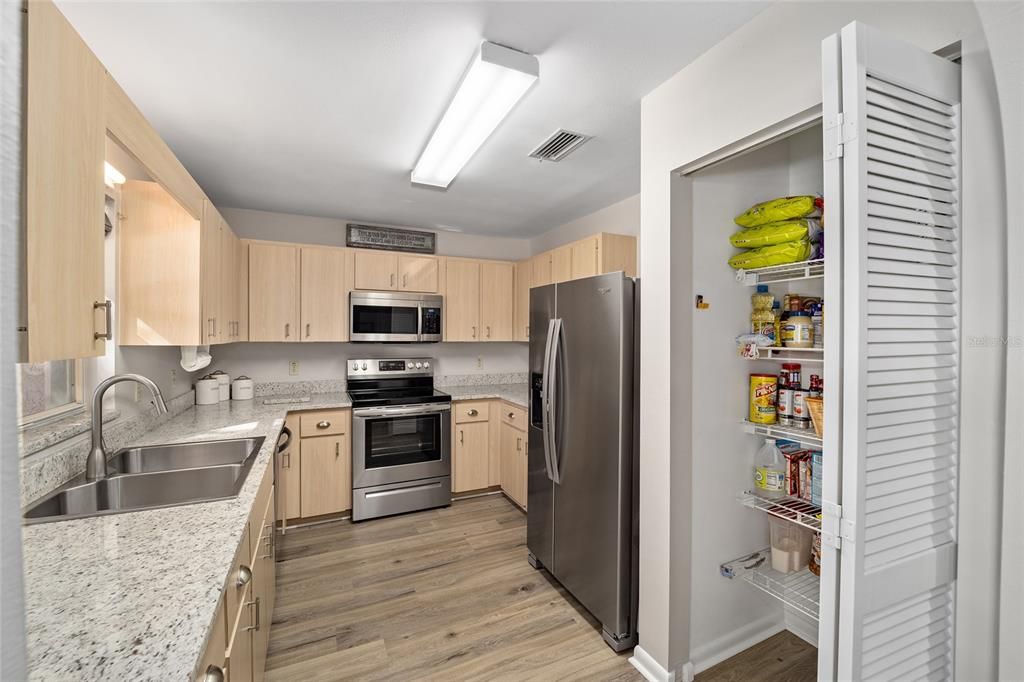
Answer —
(884, 152)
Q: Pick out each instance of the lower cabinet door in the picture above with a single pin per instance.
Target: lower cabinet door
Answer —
(471, 456)
(214, 656)
(288, 491)
(513, 463)
(325, 472)
(263, 594)
(239, 653)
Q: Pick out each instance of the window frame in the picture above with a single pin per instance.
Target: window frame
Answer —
(75, 405)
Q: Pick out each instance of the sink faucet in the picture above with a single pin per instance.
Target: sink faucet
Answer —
(96, 465)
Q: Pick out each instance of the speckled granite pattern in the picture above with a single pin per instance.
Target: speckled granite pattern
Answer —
(481, 379)
(47, 469)
(517, 394)
(39, 437)
(132, 596)
(285, 388)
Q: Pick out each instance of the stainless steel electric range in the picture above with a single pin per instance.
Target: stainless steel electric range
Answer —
(401, 438)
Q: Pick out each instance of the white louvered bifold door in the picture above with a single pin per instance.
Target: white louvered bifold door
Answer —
(901, 356)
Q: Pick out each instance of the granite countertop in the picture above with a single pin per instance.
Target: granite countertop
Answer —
(517, 394)
(132, 596)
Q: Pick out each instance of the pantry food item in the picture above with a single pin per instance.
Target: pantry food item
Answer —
(784, 399)
(793, 459)
(798, 331)
(776, 233)
(814, 564)
(816, 409)
(776, 210)
(777, 254)
(791, 546)
(806, 478)
(801, 417)
(762, 316)
(816, 477)
(770, 470)
(763, 388)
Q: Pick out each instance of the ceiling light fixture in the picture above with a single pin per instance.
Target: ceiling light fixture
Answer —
(495, 81)
(112, 176)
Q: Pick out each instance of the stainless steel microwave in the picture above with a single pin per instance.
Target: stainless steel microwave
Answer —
(394, 317)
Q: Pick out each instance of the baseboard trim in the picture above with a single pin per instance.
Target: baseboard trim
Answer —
(652, 670)
(716, 651)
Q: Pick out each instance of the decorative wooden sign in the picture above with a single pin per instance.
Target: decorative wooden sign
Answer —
(390, 239)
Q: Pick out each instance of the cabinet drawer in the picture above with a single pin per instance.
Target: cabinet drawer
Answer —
(513, 415)
(471, 411)
(324, 423)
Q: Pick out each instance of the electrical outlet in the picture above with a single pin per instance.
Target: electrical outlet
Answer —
(293, 368)
(479, 362)
(174, 377)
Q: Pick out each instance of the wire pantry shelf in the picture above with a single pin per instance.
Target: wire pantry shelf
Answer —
(808, 269)
(799, 590)
(794, 509)
(805, 437)
(801, 354)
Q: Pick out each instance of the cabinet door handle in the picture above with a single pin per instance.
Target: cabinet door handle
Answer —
(488, 331)
(519, 444)
(287, 329)
(473, 412)
(209, 326)
(462, 437)
(405, 280)
(109, 333)
(392, 280)
(337, 449)
(527, 331)
(474, 332)
(307, 330)
(244, 576)
(323, 424)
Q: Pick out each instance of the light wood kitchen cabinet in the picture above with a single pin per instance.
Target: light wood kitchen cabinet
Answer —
(273, 292)
(214, 656)
(229, 327)
(540, 270)
(521, 313)
(497, 301)
(322, 292)
(210, 264)
(242, 273)
(418, 273)
(471, 456)
(288, 482)
(63, 194)
(462, 301)
(561, 264)
(584, 258)
(326, 474)
(264, 575)
(240, 643)
(513, 463)
(376, 270)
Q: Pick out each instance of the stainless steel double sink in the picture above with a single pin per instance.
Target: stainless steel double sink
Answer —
(153, 476)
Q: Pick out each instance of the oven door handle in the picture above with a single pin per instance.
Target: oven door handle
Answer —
(400, 411)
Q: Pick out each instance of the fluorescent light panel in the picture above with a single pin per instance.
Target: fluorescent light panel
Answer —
(496, 80)
(112, 176)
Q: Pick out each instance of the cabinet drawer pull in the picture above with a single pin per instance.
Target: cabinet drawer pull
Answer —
(213, 673)
(473, 412)
(244, 576)
(511, 415)
(109, 333)
(255, 602)
(323, 424)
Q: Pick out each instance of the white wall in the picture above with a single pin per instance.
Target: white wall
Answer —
(766, 72)
(287, 227)
(622, 217)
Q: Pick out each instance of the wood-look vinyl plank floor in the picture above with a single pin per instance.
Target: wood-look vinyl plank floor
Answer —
(444, 594)
(783, 657)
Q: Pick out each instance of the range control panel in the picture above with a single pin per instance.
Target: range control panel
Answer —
(391, 367)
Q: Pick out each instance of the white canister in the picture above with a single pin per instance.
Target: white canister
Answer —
(224, 384)
(207, 391)
(242, 388)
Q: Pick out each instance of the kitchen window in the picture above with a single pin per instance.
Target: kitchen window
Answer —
(48, 389)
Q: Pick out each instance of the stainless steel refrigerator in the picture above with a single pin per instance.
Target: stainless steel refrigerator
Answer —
(583, 476)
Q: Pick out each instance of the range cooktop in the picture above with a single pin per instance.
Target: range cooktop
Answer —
(393, 381)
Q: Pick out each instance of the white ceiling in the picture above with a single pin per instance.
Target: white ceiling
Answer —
(322, 108)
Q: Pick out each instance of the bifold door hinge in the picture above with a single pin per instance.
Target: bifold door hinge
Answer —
(837, 134)
(834, 528)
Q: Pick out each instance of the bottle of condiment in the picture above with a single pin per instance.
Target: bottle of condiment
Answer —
(784, 406)
(770, 470)
(798, 330)
(815, 388)
(793, 370)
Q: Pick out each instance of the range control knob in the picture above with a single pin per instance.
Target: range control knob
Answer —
(426, 365)
(419, 365)
(355, 366)
(364, 365)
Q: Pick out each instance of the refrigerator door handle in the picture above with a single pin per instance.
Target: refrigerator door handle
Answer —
(546, 426)
(551, 401)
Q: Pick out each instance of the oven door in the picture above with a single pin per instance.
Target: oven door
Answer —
(384, 318)
(398, 444)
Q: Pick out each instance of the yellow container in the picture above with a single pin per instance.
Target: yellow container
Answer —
(763, 388)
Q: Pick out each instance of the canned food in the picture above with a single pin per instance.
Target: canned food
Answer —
(801, 417)
(763, 390)
(784, 406)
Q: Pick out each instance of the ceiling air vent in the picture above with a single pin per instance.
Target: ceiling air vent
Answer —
(559, 145)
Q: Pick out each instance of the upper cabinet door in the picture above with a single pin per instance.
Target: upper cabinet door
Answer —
(242, 273)
(584, 258)
(64, 153)
(211, 265)
(417, 273)
(497, 302)
(324, 305)
(540, 270)
(273, 292)
(561, 264)
(895, 109)
(521, 331)
(228, 322)
(462, 301)
(376, 270)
